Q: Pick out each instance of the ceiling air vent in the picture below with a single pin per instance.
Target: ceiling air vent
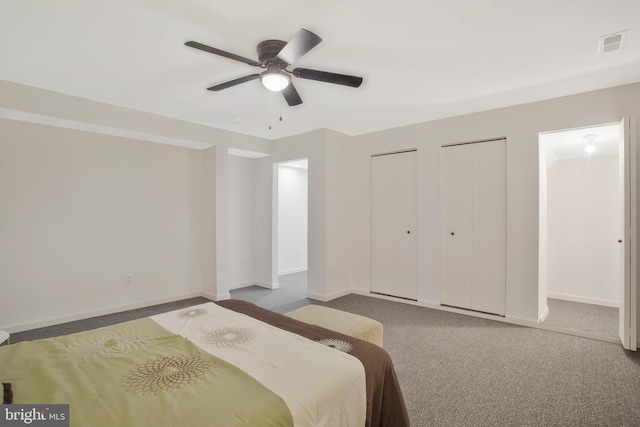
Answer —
(612, 42)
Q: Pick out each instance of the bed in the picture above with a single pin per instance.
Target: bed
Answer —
(229, 363)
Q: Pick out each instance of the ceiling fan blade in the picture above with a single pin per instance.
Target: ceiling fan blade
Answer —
(323, 76)
(291, 95)
(234, 82)
(301, 43)
(215, 51)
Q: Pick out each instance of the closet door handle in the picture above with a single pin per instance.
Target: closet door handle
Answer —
(452, 233)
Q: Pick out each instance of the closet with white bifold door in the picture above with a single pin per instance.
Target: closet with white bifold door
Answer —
(394, 224)
(473, 202)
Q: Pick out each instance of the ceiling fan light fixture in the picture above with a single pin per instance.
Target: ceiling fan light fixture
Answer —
(274, 80)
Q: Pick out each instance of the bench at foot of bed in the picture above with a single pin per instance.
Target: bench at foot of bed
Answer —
(350, 324)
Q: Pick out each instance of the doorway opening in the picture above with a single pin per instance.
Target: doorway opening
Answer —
(291, 227)
(581, 218)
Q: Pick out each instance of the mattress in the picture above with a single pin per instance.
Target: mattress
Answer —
(229, 363)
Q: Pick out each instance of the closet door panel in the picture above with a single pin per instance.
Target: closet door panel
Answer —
(405, 225)
(456, 232)
(489, 227)
(382, 224)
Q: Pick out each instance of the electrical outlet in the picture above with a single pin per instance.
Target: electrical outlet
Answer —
(128, 279)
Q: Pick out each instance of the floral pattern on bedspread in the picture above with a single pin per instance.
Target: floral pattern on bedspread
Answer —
(191, 314)
(228, 337)
(338, 344)
(167, 373)
(137, 374)
(321, 387)
(104, 343)
(385, 404)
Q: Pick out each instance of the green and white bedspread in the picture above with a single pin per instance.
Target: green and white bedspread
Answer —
(201, 366)
(321, 386)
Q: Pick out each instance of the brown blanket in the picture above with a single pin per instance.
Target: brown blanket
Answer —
(7, 396)
(385, 404)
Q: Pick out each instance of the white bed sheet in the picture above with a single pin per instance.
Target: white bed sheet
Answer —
(321, 386)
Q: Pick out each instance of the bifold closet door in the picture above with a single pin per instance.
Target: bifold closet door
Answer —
(473, 234)
(394, 243)
(405, 256)
(382, 224)
(489, 227)
(456, 206)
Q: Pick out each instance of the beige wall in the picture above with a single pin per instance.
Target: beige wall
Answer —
(91, 193)
(240, 208)
(81, 211)
(520, 125)
(196, 223)
(584, 227)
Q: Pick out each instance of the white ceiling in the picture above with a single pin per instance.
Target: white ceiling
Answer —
(420, 59)
(571, 143)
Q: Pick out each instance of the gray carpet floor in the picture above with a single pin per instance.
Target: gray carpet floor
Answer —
(290, 295)
(596, 319)
(458, 370)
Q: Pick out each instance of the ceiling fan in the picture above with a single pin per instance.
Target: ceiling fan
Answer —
(275, 56)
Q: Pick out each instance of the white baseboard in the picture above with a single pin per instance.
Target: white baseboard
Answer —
(214, 297)
(94, 313)
(292, 271)
(254, 283)
(513, 320)
(241, 285)
(275, 285)
(325, 298)
(437, 306)
(545, 313)
(584, 300)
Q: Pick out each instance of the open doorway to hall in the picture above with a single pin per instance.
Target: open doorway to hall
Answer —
(581, 221)
(292, 225)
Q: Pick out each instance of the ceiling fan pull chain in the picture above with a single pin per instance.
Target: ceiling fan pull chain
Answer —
(269, 110)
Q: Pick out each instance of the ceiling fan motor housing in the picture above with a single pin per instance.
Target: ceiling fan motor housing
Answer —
(267, 51)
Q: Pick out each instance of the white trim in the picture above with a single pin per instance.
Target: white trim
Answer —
(614, 340)
(214, 297)
(508, 319)
(4, 336)
(19, 327)
(42, 119)
(436, 306)
(633, 235)
(545, 313)
(455, 144)
(247, 153)
(421, 303)
(274, 285)
(584, 300)
(292, 271)
(241, 285)
(326, 298)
